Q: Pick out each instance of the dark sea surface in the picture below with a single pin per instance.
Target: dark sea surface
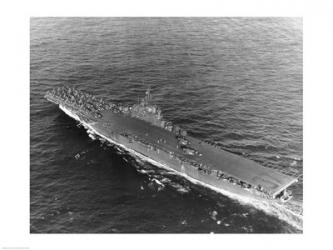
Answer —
(234, 81)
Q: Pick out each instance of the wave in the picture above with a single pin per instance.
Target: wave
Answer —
(292, 213)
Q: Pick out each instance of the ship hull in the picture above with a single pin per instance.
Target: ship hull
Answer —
(163, 160)
(210, 166)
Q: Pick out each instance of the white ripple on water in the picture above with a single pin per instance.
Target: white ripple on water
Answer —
(282, 212)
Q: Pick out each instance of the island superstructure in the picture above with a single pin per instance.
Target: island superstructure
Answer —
(141, 129)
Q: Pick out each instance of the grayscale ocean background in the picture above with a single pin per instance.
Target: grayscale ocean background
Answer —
(234, 81)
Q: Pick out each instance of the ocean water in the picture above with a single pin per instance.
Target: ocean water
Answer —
(234, 81)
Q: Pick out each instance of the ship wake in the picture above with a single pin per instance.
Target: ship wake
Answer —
(290, 212)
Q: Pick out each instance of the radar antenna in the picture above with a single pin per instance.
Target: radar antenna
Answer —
(148, 96)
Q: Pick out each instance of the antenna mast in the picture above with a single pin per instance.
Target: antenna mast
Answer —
(148, 96)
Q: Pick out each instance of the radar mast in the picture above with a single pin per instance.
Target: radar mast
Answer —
(148, 97)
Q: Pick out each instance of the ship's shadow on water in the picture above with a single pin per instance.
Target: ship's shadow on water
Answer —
(100, 184)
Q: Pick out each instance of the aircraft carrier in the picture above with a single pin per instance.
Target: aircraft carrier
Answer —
(141, 129)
